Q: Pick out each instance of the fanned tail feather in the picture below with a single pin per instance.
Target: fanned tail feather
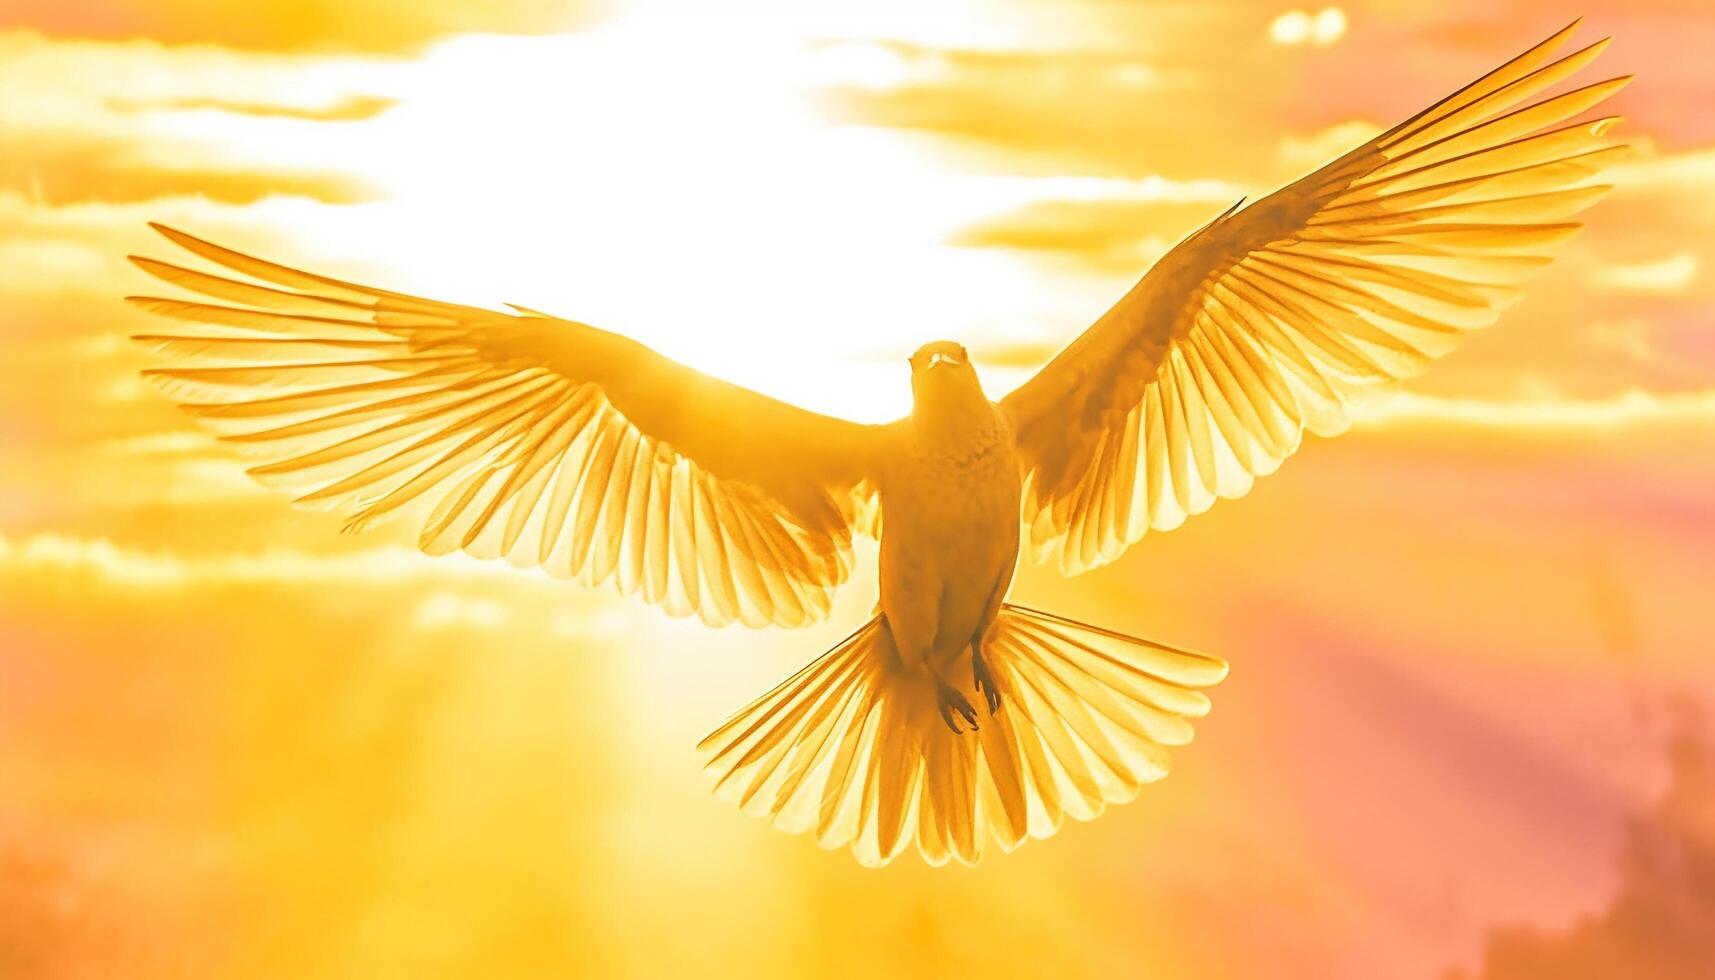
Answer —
(853, 748)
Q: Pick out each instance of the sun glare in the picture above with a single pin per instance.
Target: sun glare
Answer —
(684, 193)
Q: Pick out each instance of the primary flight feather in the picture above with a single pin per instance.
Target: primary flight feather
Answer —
(952, 719)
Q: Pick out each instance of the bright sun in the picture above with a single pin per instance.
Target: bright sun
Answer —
(683, 193)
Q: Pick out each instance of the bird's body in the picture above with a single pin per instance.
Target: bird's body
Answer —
(952, 718)
(950, 497)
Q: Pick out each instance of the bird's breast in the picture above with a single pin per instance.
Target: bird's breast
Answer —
(950, 535)
(961, 478)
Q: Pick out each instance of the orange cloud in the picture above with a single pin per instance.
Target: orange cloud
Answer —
(133, 568)
(1633, 408)
(96, 172)
(1116, 235)
(1668, 275)
(1661, 923)
(298, 24)
(125, 121)
(348, 108)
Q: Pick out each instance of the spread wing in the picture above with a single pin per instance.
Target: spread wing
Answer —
(1274, 319)
(539, 440)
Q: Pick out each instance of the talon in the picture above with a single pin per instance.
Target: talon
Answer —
(984, 681)
(950, 700)
(947, 716)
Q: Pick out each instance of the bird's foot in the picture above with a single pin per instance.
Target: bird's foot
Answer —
(984, 681)
(954, 706)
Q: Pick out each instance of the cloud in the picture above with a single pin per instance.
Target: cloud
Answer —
(348, 108)
(133, 568)
(46, 265)
(1109, 224)
(1692, 170)
(882, 65)
(1306, 153)
(1661, 923)
(1633, 408)
(99, 173)
(58, 254)
(186, 442)
(1110, 109)
(295, 25)
(1630, 337)
(450, 611)
(135, 120)
(1669, 275)
(458, 592)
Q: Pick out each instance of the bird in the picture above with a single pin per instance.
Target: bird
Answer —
(954, 720)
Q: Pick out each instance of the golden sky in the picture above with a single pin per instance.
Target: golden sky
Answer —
(1471, 703)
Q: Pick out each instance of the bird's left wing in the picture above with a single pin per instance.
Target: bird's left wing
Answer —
(1273, 319)
(541, 440)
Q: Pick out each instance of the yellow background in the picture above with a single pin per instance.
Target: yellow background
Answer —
(1472, 641)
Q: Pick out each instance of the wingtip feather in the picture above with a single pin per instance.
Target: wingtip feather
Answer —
(172, 234)
(152, 304)
(164, 271)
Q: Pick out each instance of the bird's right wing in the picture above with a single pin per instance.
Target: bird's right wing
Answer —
(540, 440)
(1275, 318)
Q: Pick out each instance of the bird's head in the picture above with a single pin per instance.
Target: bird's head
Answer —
(942, 374)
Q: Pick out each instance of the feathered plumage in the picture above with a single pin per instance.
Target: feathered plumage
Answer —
(952, 720)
